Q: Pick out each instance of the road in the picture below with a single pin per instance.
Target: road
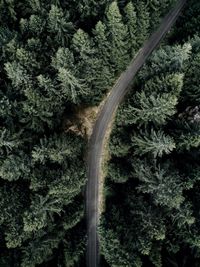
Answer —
(99, 131)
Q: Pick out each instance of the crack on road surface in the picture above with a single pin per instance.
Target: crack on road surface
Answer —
(97, 140)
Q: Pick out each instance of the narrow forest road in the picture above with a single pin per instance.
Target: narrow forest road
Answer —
(99, 131)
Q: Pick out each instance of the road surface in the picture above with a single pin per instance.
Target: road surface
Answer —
(99, 131)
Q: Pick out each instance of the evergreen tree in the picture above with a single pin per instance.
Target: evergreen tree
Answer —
(191, 83)
(59, 24)
(102, 43)
(131, 22)
(117, 36)
(117, 173)
(165, 186)
(153, 108)
(143, 22)
(167, 60)
(154, 142)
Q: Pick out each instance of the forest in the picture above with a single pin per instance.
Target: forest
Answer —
(60, 56)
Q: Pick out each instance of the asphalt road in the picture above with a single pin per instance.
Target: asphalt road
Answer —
(99, 131)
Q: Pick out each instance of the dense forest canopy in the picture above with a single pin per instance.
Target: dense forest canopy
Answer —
(152, 208)
(58, 56)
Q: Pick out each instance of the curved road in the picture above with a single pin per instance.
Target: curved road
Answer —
(96, 142)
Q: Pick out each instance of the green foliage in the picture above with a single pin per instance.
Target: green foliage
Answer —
(40, 250)
(119, 145)
(152, 211)
(117, 173)
(167, 60)
(17, 74)
(131, 22)
(71, 87)
(55, 58)
(110, 243)
(59, 24)
(117, 36)
(165, 186)
(15, 167)
(191, 89)
(57, 148)
(102, 43)
(153, 108)
(154, 142)
(143, 22)
(74, 247)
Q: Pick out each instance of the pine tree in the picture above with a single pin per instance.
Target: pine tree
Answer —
(187, 134)
(165, 84)
(59, 25)
(117, 173)
(117, 37)
(71, 86)
(9, 140)
(114, 253)
(17, 74)
(191, 89)
(15, 167)
(104, 70)
(164, 185)
(39, 250)
(119, 144)
(167, 60)
(57, 148)
(154, 108)
(82, 45)
(131, 23)
(102, 43)
(143, 23)
(155, 143)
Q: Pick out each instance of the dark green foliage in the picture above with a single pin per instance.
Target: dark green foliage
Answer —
(119, 144)
(117, 37)
(191, 87)
(55, 58)
(143, 22)
(188, 24)
(152, 207)
(131, 22)
(164, 185)
(117, 172)
(166, 60)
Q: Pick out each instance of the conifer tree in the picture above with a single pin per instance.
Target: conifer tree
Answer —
(102, 43)
(15, 167)
(117, 173)
(167, 60)
(154, 142)
(192, 78)
(59, 24)
(143, 22)
(165, 186)
(153, 108)
(131, 22)
(105, 73)
(117, 36)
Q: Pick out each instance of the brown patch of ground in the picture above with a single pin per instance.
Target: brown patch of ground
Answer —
(83, 119)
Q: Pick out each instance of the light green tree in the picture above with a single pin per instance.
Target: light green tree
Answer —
(155, 143)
